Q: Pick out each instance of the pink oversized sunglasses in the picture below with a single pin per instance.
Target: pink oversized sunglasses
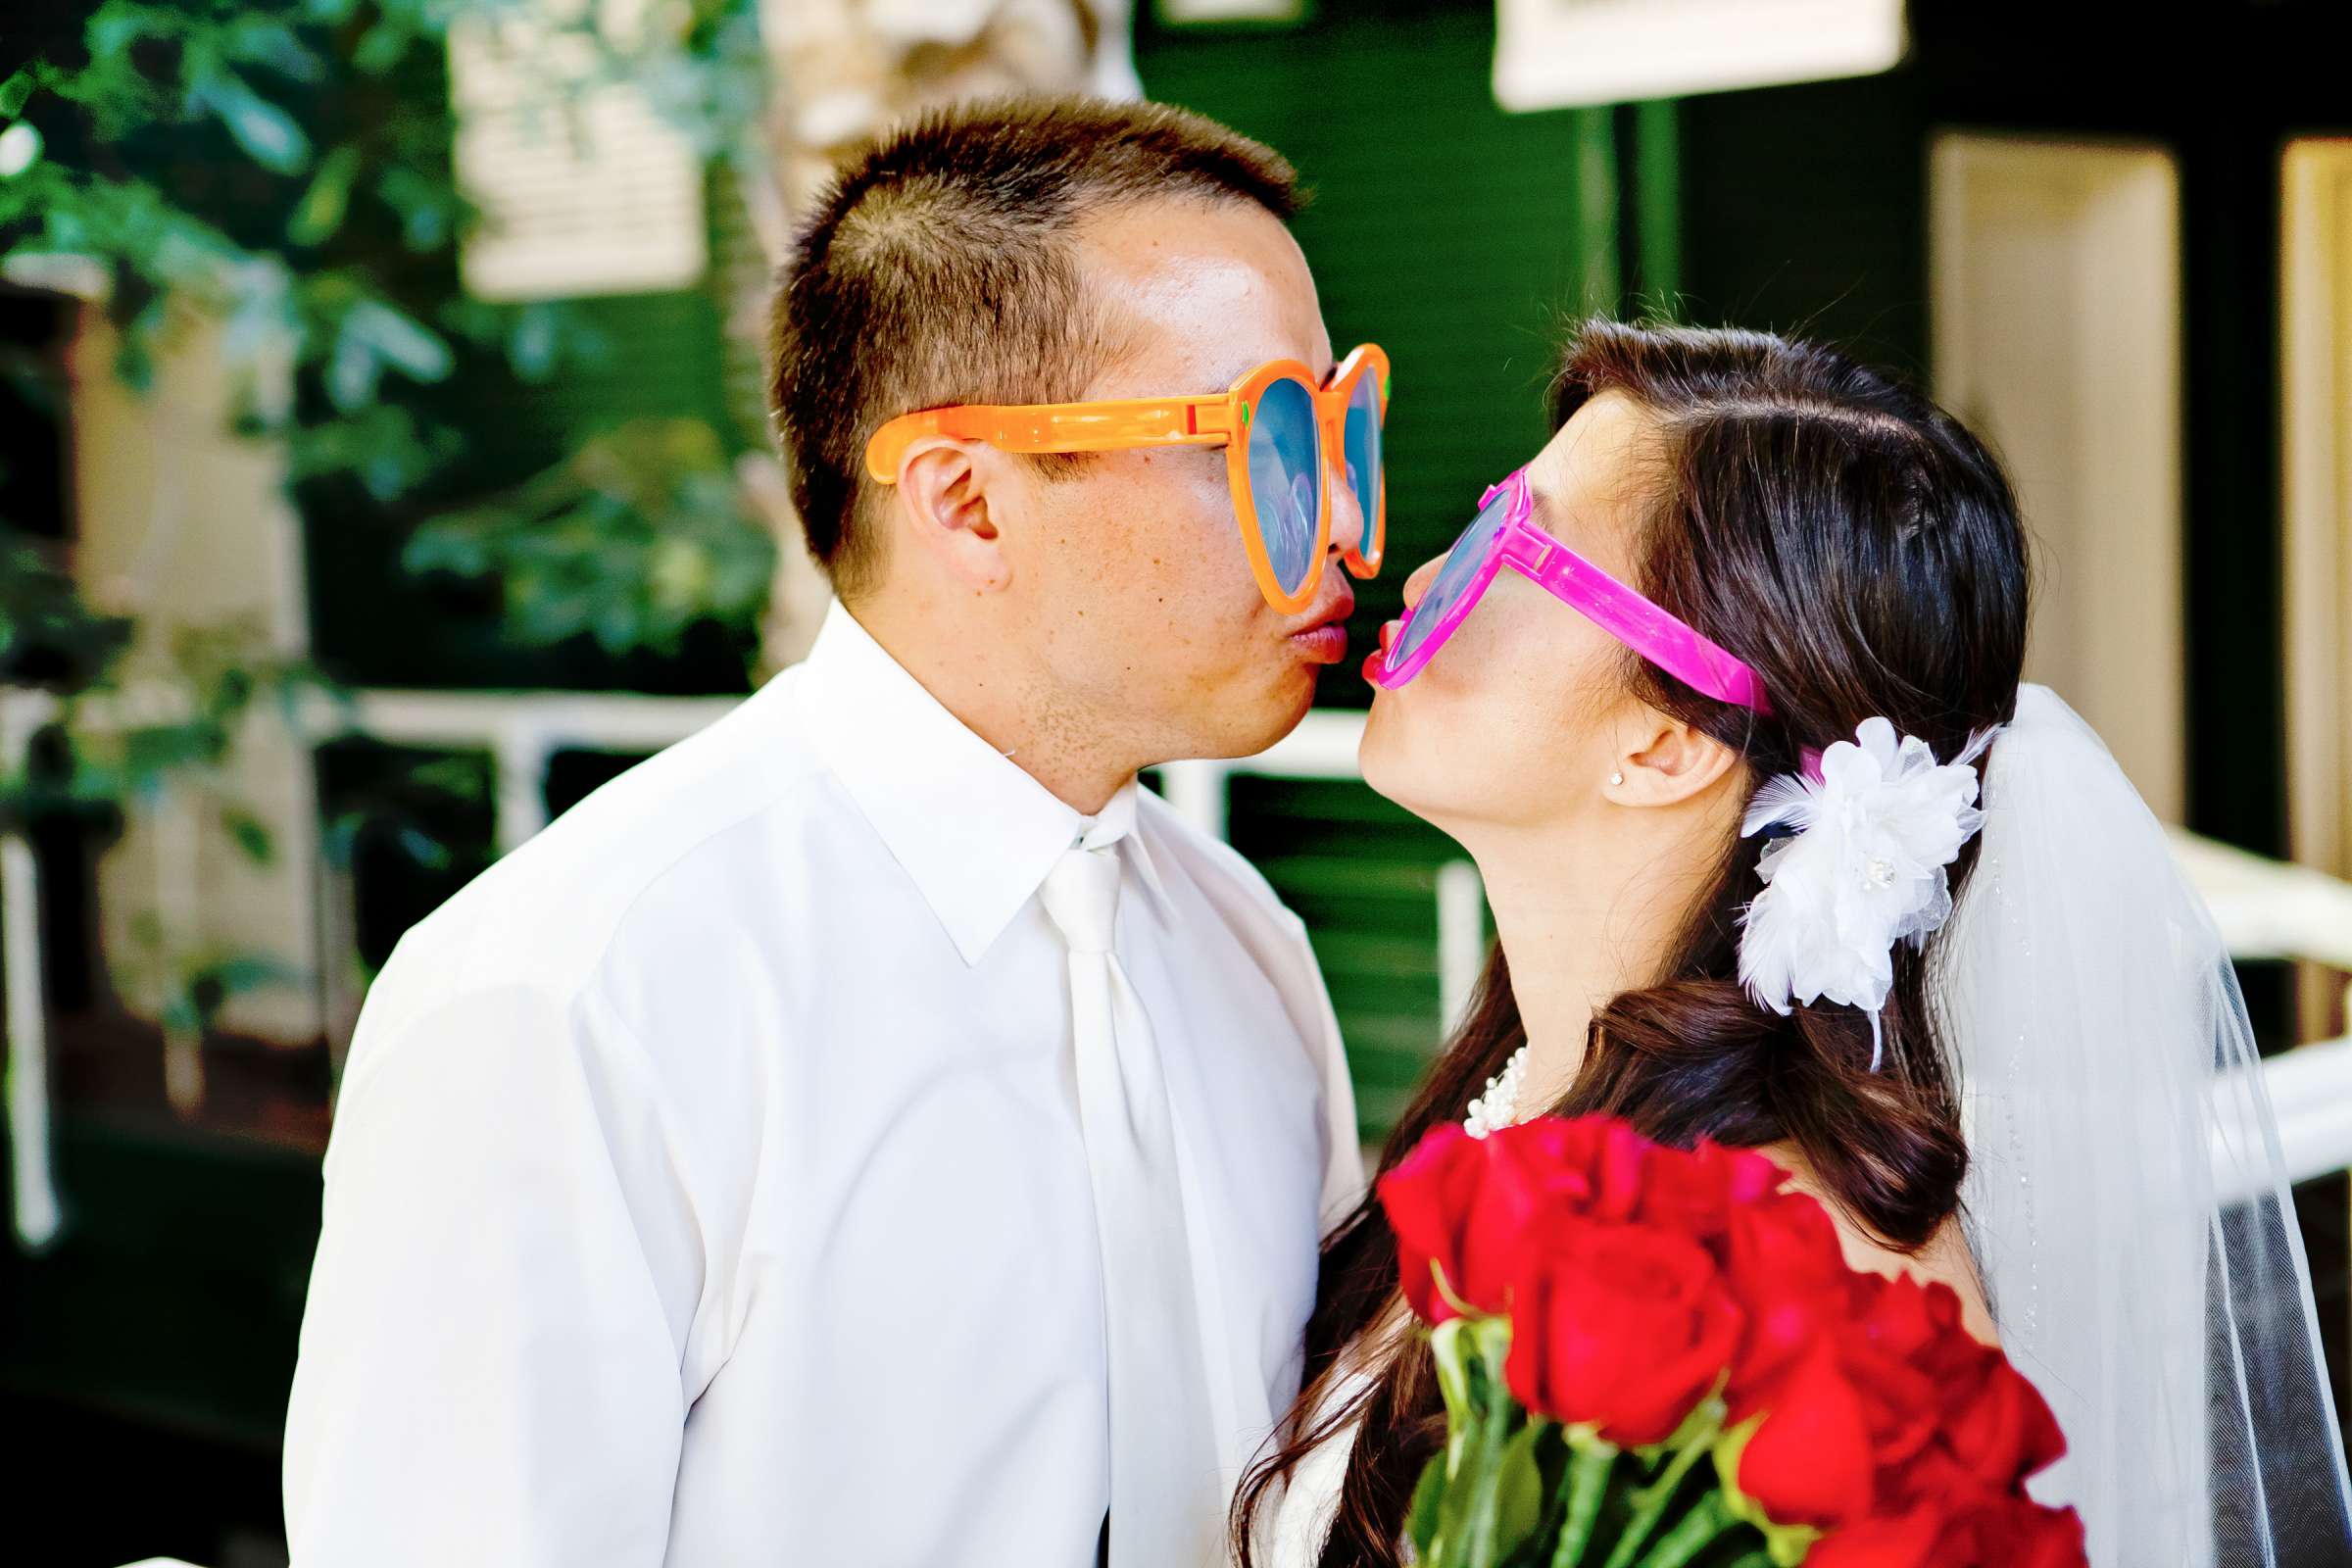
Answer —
(1502, 534)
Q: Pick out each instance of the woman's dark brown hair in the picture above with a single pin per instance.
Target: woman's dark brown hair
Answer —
(1862, 552)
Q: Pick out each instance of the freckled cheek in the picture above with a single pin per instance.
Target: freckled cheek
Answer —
(1183, 539)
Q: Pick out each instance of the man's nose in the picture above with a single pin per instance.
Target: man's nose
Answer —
(1348, 522)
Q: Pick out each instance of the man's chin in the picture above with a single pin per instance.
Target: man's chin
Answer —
(1247, 725)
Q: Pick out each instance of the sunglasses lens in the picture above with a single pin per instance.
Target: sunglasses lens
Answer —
(1454, 578)
(1361, 442)
(1286, 480)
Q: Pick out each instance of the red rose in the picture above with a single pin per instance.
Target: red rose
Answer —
(1429, 1198)
(1622, 1327)
(1461, 1202)
(1454, 1206)
(1791, 1280)
(1810, 1462)
(1595, 1166)
(2023, 1534)
(1697, 1193)
(1919, 1322)
(1996, 1424)
(1913, 1539)
(2012, 1532)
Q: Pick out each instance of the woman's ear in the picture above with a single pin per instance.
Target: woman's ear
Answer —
(1663, 762)
(941, 507)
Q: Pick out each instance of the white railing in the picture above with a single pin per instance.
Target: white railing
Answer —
(2265, 909)
(522, 731)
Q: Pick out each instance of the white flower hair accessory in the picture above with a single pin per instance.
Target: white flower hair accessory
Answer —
(1859, 866)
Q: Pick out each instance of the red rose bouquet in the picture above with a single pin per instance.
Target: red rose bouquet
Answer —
(1653, 1358)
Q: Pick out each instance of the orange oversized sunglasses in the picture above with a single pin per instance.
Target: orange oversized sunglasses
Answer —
(1282, 435)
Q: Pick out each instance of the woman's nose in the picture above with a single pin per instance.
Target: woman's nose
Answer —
(1418, 583)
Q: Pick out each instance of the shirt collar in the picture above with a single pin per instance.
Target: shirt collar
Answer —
(975, 832)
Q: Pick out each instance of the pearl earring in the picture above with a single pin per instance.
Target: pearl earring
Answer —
(1616, 778)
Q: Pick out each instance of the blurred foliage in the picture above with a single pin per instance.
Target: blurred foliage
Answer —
(398, 814)
(48, 636)
(171, 712)
(641, 534)
(192, 986)
(283, 167)
(166, 714)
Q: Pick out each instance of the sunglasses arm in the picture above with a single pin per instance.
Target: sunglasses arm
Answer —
(1631, 619)
(1186, 421)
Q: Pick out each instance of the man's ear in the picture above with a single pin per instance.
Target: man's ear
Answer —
(941, 505)
(1662, 760)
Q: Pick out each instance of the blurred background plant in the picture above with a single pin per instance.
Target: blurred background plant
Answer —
(643, 531)
(281, 176)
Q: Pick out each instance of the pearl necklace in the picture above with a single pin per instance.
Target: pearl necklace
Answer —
(1498, 1106)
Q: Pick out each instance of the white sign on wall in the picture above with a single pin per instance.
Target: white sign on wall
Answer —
(1554, 54)
(584, 189)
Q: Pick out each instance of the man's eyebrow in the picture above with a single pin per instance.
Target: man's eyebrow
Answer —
(1239, 371)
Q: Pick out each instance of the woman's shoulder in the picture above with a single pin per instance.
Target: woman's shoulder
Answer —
(1944, 1260)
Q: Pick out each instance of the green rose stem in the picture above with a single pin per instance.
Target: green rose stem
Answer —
(1584, 1487)
(1491, 1497)
(1693, 1443)
(1474, 1545)
(1698, 1529)
(1505, 1492)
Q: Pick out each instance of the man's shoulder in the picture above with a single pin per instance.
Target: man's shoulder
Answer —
(1208, 862)
(545, 914)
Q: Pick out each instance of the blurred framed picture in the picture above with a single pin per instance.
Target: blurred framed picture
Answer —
(1553, 53)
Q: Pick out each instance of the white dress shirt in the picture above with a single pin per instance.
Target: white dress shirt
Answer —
(707, 1183)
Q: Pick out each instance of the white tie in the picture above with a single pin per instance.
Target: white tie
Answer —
(1165, 1508)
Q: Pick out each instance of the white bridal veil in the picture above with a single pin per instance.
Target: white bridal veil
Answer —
(2126, 1198)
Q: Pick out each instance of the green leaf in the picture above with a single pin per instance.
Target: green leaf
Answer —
(242, 972)
(1495, 1491)
(423, 849)
(267, 132)
(381, 48)
(351, 376)
(116, 25)
(321, 211)
(1518, 1493)
(460, 778)
(531, 346)
(1428, 1502)
(398, 339)
(16, 93)
(265, 41)
(1450, 1346)
(181, 1015)
(251, 835)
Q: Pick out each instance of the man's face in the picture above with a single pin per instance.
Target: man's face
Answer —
(1133, 590)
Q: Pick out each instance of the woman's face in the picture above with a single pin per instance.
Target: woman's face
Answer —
(1517, 721)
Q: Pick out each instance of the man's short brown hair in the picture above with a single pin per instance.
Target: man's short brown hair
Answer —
(937, 269)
